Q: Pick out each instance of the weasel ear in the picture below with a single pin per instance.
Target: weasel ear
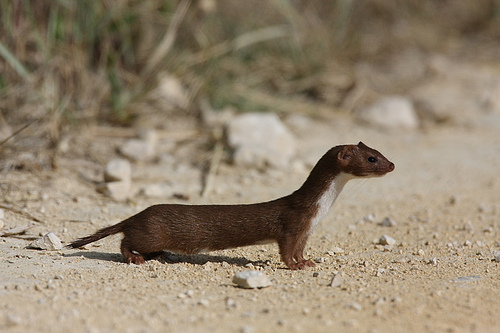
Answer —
(346, 153)
(362, 145)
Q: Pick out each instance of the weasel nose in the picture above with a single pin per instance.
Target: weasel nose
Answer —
(391, 167)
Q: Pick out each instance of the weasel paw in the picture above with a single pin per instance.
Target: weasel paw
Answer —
(302, 264)
(136, 259)
(308, 263)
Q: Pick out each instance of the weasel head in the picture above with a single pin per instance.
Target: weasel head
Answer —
(362, 161)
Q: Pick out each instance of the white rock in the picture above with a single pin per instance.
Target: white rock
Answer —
(388, 222)
(337, 280)
(215, 118)
(251, 279)
(48, 242)
(356, 306)
(247, 329)
(369, 218)
(118, 169)
(386, 240)
(260, 139)
(2, 214)
(393, 112)
(1, 224)
(116, 190)
(143, 149)
(172, 92)
(158, 190)
(336, 250)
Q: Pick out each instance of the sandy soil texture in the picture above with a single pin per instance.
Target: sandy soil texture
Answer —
(440, 276)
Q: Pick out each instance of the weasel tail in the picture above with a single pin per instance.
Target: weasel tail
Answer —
(104, 232)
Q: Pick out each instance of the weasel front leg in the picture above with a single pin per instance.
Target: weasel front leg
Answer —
(291, 253)
(299, 254)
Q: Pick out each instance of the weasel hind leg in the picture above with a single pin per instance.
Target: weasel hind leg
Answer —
(130, 256)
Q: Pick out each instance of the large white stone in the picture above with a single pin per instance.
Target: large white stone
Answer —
(393, 112)
(260, 139)
(117, 190)
(118, 169)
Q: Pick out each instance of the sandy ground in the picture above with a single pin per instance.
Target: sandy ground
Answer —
(439, 277)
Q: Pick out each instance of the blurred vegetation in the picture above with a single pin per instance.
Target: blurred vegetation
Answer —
(87, 61)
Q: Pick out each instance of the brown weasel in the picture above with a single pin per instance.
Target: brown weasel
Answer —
(288, 220)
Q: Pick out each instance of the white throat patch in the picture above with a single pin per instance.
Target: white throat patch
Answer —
(327, 199)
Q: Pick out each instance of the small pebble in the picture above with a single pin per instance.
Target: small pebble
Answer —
(247, 329)
(337, 280)
(335, 250)
(17, 230)
(251, 279)
(387, 240)
(467, 278)
(488, 230)
(319, 260)
(48, 242)
(230, 303)
(369, 218)
(204, 302)
(388, 222)
(12, 320)
(356, 306)
(397, 300)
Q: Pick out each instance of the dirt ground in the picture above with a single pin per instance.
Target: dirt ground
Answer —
(439, 277)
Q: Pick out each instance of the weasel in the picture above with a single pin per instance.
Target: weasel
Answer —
(289, 220)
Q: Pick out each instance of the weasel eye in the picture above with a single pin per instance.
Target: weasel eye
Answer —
(372, 159)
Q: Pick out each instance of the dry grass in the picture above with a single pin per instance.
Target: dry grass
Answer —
(66, 63)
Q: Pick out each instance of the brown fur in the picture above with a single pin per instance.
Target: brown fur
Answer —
(195, 228)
